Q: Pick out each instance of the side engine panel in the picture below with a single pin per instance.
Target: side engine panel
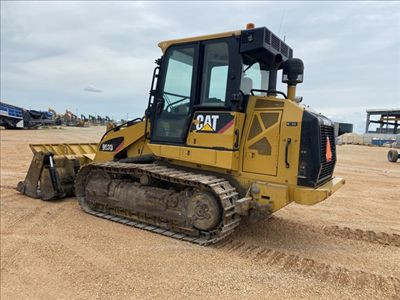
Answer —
(122, 142)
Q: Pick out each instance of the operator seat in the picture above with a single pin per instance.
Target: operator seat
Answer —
(246, 85)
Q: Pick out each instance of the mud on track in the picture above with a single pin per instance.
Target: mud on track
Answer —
(345, 247)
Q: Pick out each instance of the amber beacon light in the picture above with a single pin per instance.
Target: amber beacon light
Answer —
(250, 26)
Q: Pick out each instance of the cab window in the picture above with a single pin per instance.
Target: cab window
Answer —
(178, 81)
(254, 77)
(215, 74)
(172, 109)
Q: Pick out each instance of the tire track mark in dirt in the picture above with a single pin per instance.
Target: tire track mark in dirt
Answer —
(50, 258)
(21, 220)
(307, 267)
(84, 257)
(8, 187)
(371, 236)
(7, 193)
(34, 218)
(11, 253)
(22, 229)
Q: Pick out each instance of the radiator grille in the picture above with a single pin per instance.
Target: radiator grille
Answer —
(327, 167)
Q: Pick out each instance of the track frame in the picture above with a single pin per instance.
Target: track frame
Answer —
(220, 187)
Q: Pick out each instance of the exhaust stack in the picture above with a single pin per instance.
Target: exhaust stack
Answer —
(293, 71)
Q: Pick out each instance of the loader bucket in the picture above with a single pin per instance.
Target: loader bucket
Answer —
(52, 172)
(65, 149)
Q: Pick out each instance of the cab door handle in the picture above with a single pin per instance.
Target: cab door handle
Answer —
(236, 144)
(288, 142)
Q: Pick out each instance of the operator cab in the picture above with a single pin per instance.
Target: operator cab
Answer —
(212, 73)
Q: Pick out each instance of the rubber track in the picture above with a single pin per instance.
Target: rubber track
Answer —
(388, 285)
(219, 186)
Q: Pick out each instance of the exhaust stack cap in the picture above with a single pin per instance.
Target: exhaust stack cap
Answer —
(293, 70)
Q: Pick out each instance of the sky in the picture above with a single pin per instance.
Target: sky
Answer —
(98, 57)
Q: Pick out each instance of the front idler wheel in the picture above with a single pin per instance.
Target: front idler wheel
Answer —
(204, 211)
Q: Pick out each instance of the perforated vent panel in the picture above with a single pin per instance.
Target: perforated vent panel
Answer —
(263, 147)
(255, 129)
(261, 103)
(269, 119)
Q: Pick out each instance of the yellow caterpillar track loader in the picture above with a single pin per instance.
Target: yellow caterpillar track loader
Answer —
(217, 143)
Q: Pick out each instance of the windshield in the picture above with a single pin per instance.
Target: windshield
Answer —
(254, 77)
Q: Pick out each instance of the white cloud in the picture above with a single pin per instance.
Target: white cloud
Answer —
(92, 88)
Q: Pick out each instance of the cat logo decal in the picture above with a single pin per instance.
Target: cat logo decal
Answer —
(212, 122)
(206, 122)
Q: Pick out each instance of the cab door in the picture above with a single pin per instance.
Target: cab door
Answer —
(173, 105)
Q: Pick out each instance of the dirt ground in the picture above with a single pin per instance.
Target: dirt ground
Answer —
(345, 247)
